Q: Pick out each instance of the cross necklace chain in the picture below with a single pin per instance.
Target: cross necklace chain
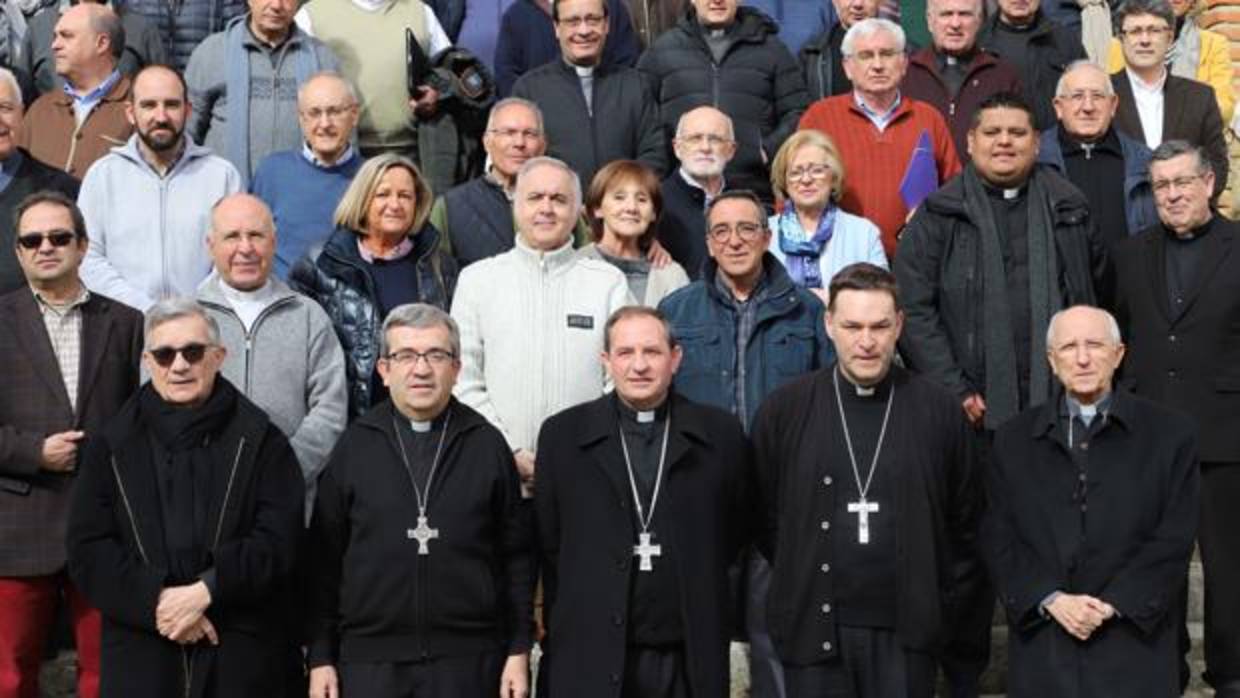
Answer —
(862, 507)
(645, 550)
(423, 533)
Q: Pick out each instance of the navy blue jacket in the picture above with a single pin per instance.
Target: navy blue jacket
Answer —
(789, 338)
(1138, 196)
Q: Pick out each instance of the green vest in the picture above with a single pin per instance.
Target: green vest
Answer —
(371, 48)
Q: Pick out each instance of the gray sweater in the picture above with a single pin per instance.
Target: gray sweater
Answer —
(290, 364)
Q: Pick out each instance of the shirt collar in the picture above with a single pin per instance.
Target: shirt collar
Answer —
(1139, 85)
(96, 94)
(313, 159)
(82, 297)
(399, 252)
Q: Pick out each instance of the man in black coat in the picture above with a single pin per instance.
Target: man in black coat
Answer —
(730, 58)
(1093, 501)
(704, 145)
(643, 501)
(420, 546)
(594, 113)
(1038, 47)
(21, 175)
(185, 525)
(870, 508)
(1178, 298)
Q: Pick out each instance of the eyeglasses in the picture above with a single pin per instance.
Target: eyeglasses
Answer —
(410, 357)
(591, 21)
(747, 232)
(1081, 96)
(1162, 186)
(697, 139)
(58, 238)
(333, 113)
(813, 171)
(192, 353)
(512, 134)
(1141, 32)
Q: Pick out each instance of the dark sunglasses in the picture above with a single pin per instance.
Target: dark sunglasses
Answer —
(59, 238)
(192, 353)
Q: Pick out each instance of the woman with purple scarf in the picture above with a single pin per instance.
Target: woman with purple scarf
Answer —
(813, 237)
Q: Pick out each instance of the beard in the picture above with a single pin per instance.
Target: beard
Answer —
(162, 137)
(703, 168)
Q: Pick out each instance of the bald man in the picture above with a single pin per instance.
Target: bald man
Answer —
(282, 351)
(73, 128)
(1093, 509)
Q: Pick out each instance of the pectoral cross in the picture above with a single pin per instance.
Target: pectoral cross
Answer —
(423, 534)
(863, 509)
(646, 551)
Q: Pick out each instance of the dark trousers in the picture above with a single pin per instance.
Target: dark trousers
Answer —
(871, 664)
(766, 675)
(1220, 562)
(652, 672)
(445, 677)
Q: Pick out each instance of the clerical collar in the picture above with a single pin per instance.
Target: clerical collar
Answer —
(427, 426)
(1005, 193)
(583, 71)
(632, 415)
(947, 59)
(1019, 28)
(852, 392)
(1195, 234)
(1109, 143)
(1086, 413)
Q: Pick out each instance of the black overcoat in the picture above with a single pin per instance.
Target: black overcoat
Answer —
(587, 529)
(117, 559)
(1123, 535)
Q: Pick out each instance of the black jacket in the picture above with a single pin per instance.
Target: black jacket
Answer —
(624, 124)
(478, 221)
(375, 599)
(939, 267)
(587, 529)
(758, 83)
(1051, 49)
(118, 560)
(1186, 360)
(334, 274)
(682, 225)
(1190, 113)
(1124, 534)
(938, 502)
(31, 176)
(821, 64)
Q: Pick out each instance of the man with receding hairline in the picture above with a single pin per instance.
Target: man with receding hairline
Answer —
(704, 144)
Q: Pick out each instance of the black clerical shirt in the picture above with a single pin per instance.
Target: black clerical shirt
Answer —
(421, 445)
(1011, 212)
(953, 71)
(1184, 260)
(654, 598)
(866, 583)
(1097, 169)
(1012, 43)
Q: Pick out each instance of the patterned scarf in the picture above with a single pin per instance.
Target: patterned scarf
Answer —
(801, 253)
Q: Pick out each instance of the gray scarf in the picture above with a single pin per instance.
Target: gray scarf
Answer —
(998, 347)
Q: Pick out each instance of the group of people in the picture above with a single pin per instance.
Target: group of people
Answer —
(713, 327)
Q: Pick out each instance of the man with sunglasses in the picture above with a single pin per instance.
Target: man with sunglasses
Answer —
(421, 546)
(185, 526)
(71, 361)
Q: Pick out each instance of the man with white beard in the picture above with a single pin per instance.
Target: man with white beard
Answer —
(704, 144)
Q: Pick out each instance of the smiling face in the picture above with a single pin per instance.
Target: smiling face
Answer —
(391, 210)
(954, 24)
(627, 211)
(641, 361)
(10, 119)
(242, 241)
(581, 30)
(1086, 107)
(715, 14)
(1182, 187)
(419, 370)
(545, 207)
(182, 382)
(49, 265)
(1083, 353)
(327, 113)
(737, 237)
(1003, 146)
(808, 190)
(514, 136)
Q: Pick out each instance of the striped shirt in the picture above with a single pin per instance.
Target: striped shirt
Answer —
(64, 329)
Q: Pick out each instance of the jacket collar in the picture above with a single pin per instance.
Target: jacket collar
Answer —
(928, 59)
(1042, 28)
(776, 279)
(210, 290)
(131, 152)
(555, 260)
(342, 245)
(118, 93)
(1120, 412)
(949, 199)
(381, 416)
(601, 425)
(750, 25)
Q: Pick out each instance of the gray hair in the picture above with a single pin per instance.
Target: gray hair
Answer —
(514, 102)
(870, 27)
(546, 161)
(1112, 324)
(109, 24)
(420, 316)
(680, 123)
(7, 77)
(175, 308)
(1131, 8)
(1083, 64)
(328, 74)
(1175, 148)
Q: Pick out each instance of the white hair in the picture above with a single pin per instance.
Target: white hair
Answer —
(348, 86)
(869, 27)
(175, 308)
(1061, 89)
(1112, 324)
(7, 77)
(680, 123)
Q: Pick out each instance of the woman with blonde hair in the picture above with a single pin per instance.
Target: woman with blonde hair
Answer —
(812, 236)
(382, 254)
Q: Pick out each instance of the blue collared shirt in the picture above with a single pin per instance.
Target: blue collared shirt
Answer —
(879, 120)
(313, 159)
(8, 169)
(84, 103)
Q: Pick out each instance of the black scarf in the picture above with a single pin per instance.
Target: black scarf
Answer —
(181, 439)
(998, 348)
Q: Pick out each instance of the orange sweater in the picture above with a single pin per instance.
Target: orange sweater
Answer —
(875, 162)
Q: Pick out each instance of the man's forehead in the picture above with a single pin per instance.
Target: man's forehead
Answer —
(1141, 20)
(515, 116)
(1087, 77)
(579, 7)
(1186, 162)
(739, 210)
(545, 180)
(1005, 117)
(188, 325)
(879, 38)
(323, 91)
(705, 120)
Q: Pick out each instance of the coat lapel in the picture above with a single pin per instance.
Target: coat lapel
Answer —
(139, 504)
(1218, 246)
(601, 439)
(32, 335)
(96, 328)
(1127, 117)
(1173, 107)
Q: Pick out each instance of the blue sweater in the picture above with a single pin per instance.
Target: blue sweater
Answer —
(302, 198)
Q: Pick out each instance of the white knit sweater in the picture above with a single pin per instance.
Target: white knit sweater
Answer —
(531, 333)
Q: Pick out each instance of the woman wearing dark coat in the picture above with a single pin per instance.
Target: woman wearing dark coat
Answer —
(382, 254)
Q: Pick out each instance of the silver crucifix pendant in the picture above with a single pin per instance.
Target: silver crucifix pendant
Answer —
(863, 509)
(646, 551)
(423, 534)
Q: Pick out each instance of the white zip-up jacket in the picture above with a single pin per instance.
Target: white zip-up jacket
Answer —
(148, 234)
